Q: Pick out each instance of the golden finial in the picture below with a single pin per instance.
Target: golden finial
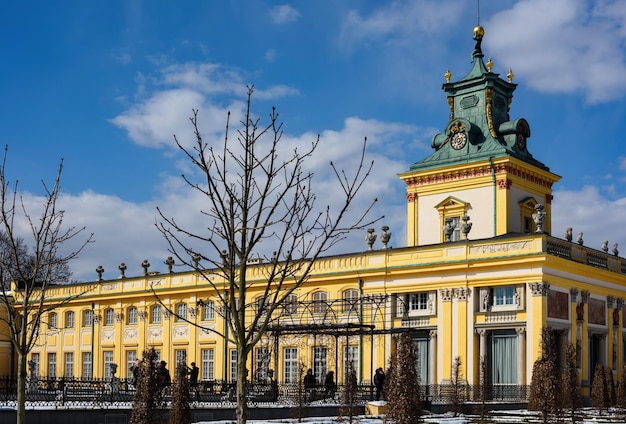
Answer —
(510, 75)
(448, 75)
(489, 65)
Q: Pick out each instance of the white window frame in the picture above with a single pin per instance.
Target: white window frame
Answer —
(320, 363)
(132, 315)
(181, 312)
(320, 302)
(208, 364)
(131, 358)
(87, 365)
(421, 303)
(156, 315)
(52, 364)
(350, 300)
(87, 318)
(208, 311)
(69, 319)
(232, 359)
(107, 360)
(69, 364)
(52, 320)
(109, 317)
(290, 365)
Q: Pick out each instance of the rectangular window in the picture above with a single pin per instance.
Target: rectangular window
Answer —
(208, 311)
(319, 363)
(208, 364)
(181, 356)
(291, 365)
(418, 301)
(504, 296)
(422, 346)
(52, 321)
(34, 365)
(456, 223)
(131, 358)
(350, 300)
(52, 365)
(351, 353)
(87, 365)
(233, 365)
(504, 357)
(108, 360)
(69, 364)
(262, 364)
(320, 302)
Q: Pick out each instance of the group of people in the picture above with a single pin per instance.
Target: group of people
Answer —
(163, 374)
(329, 384)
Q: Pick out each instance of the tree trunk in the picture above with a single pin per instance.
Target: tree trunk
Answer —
(21, 388)
(241, 411)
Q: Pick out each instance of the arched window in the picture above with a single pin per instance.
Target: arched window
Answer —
(320, 302)
(181, 312)
(350, 300)
(290, 305)
(208, 311)
(87, 318)
(109, 316)
(69, 319)
(52, 320)
(155, 314)
(132, 315)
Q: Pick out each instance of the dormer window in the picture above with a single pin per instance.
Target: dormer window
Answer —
(451, 211)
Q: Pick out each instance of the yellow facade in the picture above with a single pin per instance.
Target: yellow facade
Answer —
(478, 293)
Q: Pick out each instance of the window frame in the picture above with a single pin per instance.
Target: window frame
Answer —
(132, 315)
(70, 319)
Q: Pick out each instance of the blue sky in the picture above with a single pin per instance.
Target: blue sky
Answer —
(106, 84)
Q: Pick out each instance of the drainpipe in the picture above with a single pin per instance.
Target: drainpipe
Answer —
(495, 203)
(93, 319)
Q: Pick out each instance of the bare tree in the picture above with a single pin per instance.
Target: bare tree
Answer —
(31, 265)
(402, 389)
(258, 200)
(572, 397)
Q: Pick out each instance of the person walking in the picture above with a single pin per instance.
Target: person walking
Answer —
(379, 382)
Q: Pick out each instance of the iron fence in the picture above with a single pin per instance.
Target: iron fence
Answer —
(81, 392)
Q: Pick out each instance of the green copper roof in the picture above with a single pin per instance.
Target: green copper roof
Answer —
(480, 126)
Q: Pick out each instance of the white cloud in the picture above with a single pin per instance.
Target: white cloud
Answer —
(563, 46)
(284, 14)
(166, 102)
(588, 211)
(400, 20)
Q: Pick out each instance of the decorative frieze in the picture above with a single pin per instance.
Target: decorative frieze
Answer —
(496, 317)
(501, 247)
(415, 322)
(539, 289)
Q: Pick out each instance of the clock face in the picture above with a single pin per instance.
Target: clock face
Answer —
(521, 141)
(458, 140)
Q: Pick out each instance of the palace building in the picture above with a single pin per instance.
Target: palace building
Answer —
(480, 277)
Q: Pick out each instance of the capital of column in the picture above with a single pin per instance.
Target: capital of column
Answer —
(620, 303)
(461, 293)
(432, 334)
(610, 302)
(446, 295)
(539, 289)
(584, 295)
(573, 295)
(482, 332)
(520, 330)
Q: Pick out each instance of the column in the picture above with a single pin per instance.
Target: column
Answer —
(445, 329)
(521, 354)
(461, 329)
(612, 336)
(618, 313)
(538, 311)
(482, 353)
(432, 347)
(583, 311)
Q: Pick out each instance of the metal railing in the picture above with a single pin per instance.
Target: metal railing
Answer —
(81, 392)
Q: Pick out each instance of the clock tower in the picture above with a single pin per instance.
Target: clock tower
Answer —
(481, 170)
